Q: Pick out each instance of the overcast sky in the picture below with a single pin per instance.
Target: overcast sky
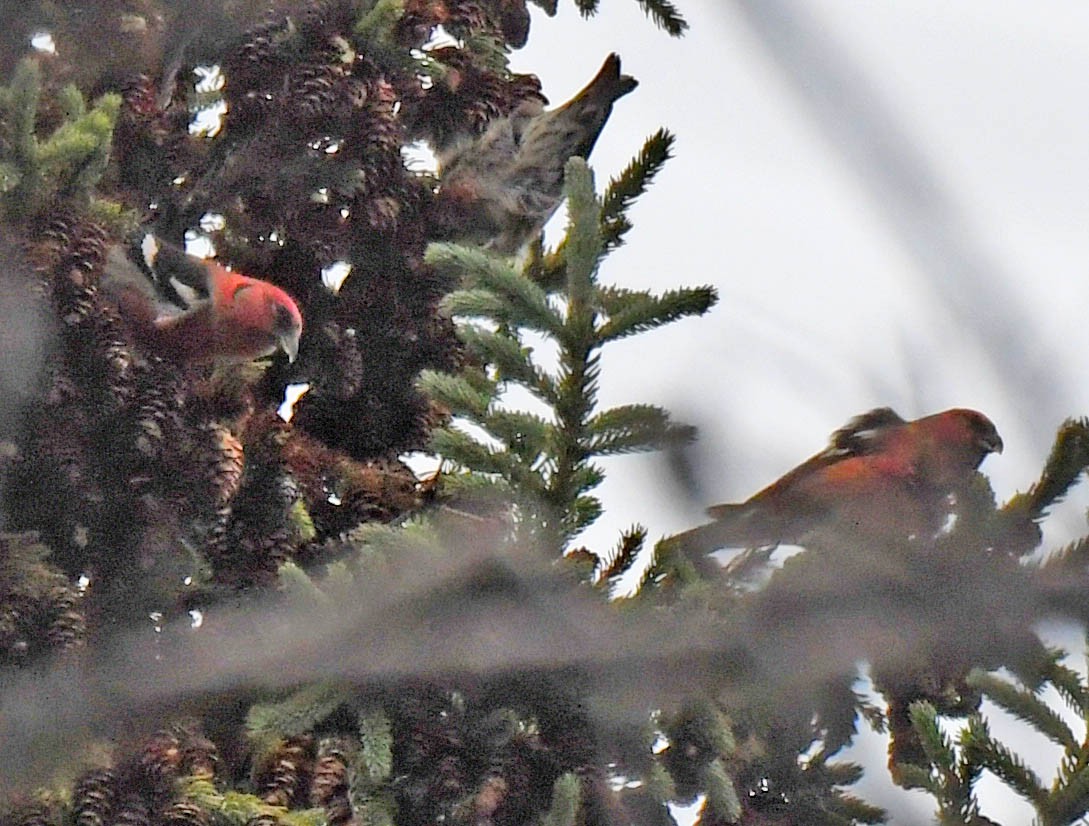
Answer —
(893, 201)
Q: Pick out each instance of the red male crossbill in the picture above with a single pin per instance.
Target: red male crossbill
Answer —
(500, 189)
(192, 310)
(880, 476)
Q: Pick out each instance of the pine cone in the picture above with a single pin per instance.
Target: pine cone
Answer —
(259, 59)
(94, 798)
(159, 397)
(329, 783)
(184, 813)
(132, 810)
(161, 760)
(316, 92)
(200, 757)
(341, 360)
(287, 773)
(223, 459)
(69, 626)
(37, 813)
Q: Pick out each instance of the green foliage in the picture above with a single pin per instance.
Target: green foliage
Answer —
(664, 14)
(949, 777)
(377, 23)
(566, 794)
(69, 162)
(721, 794)
(370, 769)
(631, 183)
(548, 457)
(550, 270)
(376, 736)
(268, 723)
(954, 769)
(624, 556)
(237, 808)
(1069, 457)
(298, 587)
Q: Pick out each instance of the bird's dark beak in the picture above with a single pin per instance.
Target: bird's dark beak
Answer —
(289, 343)
(991, 442)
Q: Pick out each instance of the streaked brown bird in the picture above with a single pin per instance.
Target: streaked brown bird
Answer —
(880, 476)
(500, 189)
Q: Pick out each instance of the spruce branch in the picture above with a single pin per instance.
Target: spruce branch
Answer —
(856, 810)
(69, 162)
(950, 777)
(459, 394)
(937, 747)
(566, 799)
(1069, 684)
(665, 15)
(297, 713)
(662, 12)
(548, 269)
(550, 455)
(378, 21)
(1074, 556)
(999, 759)
(375, 758)
(511, 359)
(635, 428)
(489, 51)
(722, 799)
(584, 243)
(299, 588)
(632, 182)
(1069, 801)
(1069, 457)
(526, 434)
(1025, 706)
(237, 808)
(585, 510)
(483, 274)
(462, 449)
(587, 8)
(477, 303)
(630, 312)
(623, 556)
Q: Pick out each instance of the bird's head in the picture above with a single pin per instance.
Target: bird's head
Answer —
(974, 432)
(266, 315)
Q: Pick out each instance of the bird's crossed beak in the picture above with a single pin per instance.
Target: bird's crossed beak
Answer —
(991, 442)
(289, 343)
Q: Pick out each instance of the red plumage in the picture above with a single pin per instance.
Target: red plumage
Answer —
(880, 476)
(230, 316)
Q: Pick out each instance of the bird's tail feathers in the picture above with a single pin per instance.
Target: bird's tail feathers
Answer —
(729, 511)
(735, 526)
(608, 84)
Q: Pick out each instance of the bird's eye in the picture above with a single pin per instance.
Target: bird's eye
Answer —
(283, 317)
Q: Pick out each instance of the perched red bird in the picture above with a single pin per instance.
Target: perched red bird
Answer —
(192, 310)
(879, 476)
(501, 188)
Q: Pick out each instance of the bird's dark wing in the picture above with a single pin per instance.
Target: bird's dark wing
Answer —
(864, 433)
(178, 279)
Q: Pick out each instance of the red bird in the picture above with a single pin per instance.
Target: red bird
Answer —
(879, 476)
(192, 310)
